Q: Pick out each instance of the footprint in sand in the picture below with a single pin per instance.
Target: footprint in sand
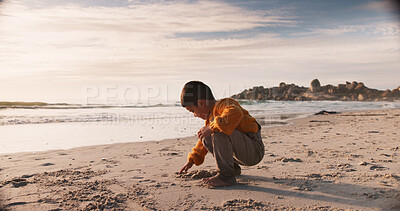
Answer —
(19, 183)
(16, 182)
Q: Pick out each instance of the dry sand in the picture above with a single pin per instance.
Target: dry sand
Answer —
(328, 162)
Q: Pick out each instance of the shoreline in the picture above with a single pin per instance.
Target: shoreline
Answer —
(277, 121)
(267, 121)
(326, 162)
(66, 129)
(287, 121)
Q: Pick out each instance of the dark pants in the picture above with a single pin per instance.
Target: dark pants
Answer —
(243, 148)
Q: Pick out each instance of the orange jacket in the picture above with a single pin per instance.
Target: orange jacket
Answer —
(226, 116)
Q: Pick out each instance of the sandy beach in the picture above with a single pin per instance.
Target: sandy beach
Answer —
(345, 161)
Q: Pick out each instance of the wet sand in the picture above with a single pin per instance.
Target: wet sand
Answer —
(326, 162)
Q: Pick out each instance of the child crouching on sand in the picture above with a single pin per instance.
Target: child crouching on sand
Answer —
(230, 134)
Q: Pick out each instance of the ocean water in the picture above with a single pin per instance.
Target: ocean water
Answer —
(68, 126)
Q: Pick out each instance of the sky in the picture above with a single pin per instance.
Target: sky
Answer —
(59, 50)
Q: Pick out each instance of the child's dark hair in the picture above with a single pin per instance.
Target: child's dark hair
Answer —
(193, 91)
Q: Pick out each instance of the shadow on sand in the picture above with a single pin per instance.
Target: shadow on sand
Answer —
(324, 190)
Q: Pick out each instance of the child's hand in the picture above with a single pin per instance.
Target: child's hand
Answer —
(186, 167)
(204, 132)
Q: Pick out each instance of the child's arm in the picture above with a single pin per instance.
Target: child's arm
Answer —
(198, 153)
(195, 157)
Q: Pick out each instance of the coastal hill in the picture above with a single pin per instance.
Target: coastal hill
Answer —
(355, 91)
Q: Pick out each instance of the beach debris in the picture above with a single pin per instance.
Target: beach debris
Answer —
(373, 131)
(318, 121)
(377, 168)
(323, 112)
(283, 159)
(47, 164)
(172, 153)
(386, 155)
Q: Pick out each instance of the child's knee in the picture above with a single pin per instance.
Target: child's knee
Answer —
(219, 135)
(207, 143)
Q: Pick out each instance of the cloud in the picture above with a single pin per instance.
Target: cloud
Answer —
(332, 31)
(138, 37)
(373, 28)
(159, 41)
(387, 29)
